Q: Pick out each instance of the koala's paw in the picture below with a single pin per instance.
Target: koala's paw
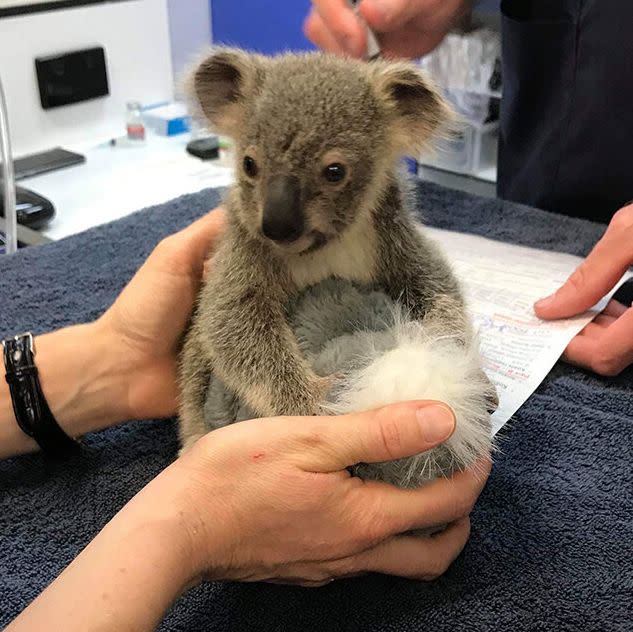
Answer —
(306, 399)
(324, 386)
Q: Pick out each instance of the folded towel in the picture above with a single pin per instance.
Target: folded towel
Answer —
(552, 532)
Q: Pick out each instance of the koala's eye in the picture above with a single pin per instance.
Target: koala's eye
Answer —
(250, 167)
(334, 173)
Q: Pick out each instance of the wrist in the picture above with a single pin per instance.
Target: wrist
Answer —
(81, 378)
(195, 539)
(155, 532)
(205, 530)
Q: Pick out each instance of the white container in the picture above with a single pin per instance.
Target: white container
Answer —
(167, 120)
(470, 150)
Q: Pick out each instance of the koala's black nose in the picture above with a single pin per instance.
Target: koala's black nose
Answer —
(283, 219)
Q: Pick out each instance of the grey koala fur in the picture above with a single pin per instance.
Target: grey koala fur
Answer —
(290, 228)
(336, 324)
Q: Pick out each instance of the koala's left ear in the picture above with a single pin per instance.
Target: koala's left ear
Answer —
(412, 102)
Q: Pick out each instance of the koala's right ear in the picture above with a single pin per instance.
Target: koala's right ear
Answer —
(224, 83)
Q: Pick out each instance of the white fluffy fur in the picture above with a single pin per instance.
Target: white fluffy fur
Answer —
(427, 364)
(352, 256)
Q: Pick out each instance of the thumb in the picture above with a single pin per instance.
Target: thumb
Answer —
(590, 282)
(392, 432)
(387, 16)
(185, 252)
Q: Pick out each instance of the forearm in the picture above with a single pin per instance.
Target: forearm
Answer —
(125, 579)
(82, 379)
(255, 353)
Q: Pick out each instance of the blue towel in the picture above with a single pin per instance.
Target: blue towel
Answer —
(552, 532)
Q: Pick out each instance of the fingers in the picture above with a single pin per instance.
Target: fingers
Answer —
(597, 327)
(615, 309)
(199, 237)
(207, 228)
(406, 28)
(409, 42)
(389, 433)
(594, 278)
(340, 22)
(390, 15)
(440, 502)
(413, 557)
(416, 557)
(605, 346)
(424, 17)
(319, 34)
(184, 252)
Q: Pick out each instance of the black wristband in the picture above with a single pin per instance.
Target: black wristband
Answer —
(29, 404)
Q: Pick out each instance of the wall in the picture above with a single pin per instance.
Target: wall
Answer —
(190, 30)
(261, 25)
(135, 35)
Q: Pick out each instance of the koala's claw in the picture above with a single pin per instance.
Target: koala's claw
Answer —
(311, 401)
(325, 384)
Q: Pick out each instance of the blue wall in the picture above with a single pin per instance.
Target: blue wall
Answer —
(260, 25)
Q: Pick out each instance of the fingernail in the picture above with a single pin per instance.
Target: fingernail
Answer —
(437, 421)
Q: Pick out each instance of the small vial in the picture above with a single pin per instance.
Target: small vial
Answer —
(135, 126)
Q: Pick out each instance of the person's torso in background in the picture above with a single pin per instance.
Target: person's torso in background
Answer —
(567, 112)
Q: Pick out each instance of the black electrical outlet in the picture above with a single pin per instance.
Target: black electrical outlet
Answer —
(72, 77)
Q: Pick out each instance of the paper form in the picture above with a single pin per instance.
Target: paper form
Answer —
(502, 282)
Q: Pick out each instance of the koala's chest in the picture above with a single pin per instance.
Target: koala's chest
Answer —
(353, 256)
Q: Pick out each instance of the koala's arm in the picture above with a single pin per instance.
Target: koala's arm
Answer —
(242, 329)
(416, 274)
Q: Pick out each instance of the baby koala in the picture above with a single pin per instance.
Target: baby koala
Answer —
(318, 141)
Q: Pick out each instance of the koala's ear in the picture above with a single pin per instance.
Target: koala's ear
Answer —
(413, 104)
(224, 83)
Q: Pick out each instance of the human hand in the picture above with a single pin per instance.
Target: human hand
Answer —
(149, 317)
(267, 500)
(606, 344)
(271, 499)
(123, 365)
(405, 28)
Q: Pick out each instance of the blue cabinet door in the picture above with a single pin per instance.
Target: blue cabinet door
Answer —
(260, 25)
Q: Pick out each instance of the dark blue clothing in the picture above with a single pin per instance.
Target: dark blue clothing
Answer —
(567, 113)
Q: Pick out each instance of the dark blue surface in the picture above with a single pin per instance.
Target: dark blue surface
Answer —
(551, 541)
(266, 27)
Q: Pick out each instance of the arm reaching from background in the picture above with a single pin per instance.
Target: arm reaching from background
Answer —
(405, 28)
